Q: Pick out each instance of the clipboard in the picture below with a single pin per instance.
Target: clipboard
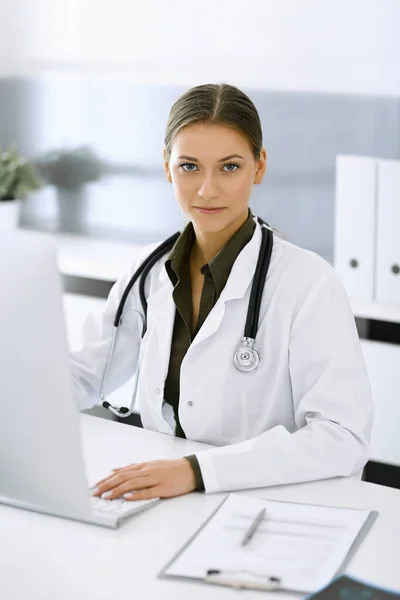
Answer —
(243, 577)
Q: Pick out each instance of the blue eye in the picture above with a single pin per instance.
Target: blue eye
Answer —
(191, 167)
(185, 165)
(235, 167)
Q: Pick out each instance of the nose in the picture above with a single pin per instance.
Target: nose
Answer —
(208, 188)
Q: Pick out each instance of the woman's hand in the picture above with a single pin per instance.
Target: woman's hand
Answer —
(155, 479)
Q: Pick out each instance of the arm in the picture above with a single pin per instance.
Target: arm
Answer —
(88, 360)
(332, 405)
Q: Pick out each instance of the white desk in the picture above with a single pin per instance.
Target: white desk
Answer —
(48, 558)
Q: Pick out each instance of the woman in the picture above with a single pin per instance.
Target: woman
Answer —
(305, 413)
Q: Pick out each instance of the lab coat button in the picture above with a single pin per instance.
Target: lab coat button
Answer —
(158, 390)
(190, 403)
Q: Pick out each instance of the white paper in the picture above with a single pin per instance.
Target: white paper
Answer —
(304, 545)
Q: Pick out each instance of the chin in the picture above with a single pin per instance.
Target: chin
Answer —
(211, 224)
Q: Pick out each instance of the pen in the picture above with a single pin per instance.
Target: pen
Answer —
(253, 527)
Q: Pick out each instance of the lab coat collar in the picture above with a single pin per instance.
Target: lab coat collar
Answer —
(162, 306)
(243, 269)
(241, 273)
(236, 287)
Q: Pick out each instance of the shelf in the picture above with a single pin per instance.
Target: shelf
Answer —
(93, 258)
(376, 311)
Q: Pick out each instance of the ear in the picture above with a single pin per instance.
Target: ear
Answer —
(166, 166)
(261, 166)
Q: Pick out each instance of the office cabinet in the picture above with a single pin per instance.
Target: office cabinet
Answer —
(355, 208)
(383, 365)
(387, 232)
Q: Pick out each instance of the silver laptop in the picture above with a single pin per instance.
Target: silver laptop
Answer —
(41, 460)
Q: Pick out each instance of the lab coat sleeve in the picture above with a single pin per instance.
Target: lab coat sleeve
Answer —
(88, 359)
(331, 400)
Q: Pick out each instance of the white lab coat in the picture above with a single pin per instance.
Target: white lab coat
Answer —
(305, 414)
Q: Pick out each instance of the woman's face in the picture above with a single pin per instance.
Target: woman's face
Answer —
(212, 169)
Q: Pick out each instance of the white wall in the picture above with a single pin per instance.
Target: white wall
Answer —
(337, 46)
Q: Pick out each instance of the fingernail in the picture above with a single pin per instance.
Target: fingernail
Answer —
(129, 495)
(106, 494)
(94, 490)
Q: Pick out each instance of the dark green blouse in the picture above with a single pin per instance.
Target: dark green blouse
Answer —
(216, 274)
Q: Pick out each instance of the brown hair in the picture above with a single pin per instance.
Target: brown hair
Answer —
(215, 103)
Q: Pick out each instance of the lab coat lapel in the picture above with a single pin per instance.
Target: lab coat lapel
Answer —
(238, 282)
(162, 306)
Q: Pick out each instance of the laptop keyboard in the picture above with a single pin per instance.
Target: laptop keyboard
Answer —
(117, 507)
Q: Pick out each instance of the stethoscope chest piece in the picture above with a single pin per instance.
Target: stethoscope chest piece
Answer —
(246, 357)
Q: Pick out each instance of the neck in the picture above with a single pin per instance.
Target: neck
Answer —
(208, 244)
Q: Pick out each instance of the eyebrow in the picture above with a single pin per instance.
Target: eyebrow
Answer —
(220, 160)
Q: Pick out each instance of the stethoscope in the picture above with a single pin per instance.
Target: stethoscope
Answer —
(245, 358)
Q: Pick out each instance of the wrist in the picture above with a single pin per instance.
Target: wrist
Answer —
(188, 469)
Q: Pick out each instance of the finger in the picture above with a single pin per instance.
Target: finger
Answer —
(110, 478)
(132, 467)
(125, 467)
(109, 483)
(126, 488)
(145, 494)
(114, 472)
(105, 479)
(106, 490)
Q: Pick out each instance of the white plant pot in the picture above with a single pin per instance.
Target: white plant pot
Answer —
(9, 214)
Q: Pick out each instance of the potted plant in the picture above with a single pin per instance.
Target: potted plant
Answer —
(69, 170)
(17, 179)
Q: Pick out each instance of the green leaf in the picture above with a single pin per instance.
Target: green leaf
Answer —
(17, 175)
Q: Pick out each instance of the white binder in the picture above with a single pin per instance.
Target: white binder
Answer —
(355, 216)
(388, 232)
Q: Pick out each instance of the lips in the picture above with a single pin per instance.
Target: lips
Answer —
(209, 210)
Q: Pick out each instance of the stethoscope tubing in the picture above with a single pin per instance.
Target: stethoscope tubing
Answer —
(144, 269)
(264, 257)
